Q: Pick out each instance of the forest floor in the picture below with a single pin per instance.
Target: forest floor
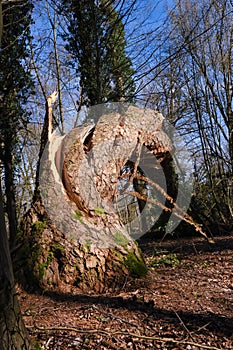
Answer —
(185, 302)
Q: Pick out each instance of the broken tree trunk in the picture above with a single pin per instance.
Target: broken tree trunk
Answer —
(73, 235)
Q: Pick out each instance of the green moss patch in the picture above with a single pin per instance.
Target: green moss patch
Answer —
(43, 266)
(136, 266)
(78, 216)
(39, 226)
(87, 245)
(99, 210)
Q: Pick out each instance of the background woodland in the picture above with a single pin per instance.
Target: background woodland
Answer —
(175, 58)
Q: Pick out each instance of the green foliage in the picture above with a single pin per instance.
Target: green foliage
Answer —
(135, 265)
(163, 257)
(15, 79)
(97, 41)
(15, 88)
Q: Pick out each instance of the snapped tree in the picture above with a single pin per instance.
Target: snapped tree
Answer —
(73, 232)
(105, 74)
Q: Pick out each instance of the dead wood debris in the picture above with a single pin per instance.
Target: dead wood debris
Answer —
(127, 334)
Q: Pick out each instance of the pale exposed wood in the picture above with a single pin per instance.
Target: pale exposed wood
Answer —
(51, 99)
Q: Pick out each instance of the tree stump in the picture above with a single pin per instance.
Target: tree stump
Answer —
(72, 234)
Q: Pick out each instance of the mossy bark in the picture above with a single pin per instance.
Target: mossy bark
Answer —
(13, 335)
(53, 261)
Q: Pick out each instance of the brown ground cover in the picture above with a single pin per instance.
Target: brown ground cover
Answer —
(185, 302)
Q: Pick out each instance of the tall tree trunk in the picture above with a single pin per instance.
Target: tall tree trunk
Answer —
(1, 22)
(10, 191)
(13, 335)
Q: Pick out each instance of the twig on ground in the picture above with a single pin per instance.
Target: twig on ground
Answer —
(114, 317)
(128, 334)
(203, 327)
(46, 345)
(182, 323)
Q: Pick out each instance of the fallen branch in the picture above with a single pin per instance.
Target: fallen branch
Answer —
(114, 317)
(182, 323)
(133, 335)
(179, 212)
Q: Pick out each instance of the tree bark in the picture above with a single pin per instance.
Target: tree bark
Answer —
(73, 233)
(10, 190)
(13, 335)
(1, 22)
